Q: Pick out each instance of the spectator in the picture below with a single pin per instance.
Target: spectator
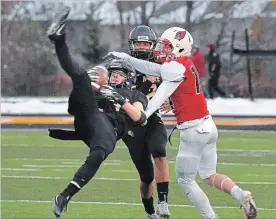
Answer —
(214, 66)
(199, 62)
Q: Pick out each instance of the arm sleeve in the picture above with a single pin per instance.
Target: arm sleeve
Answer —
(69, 65)
(145, 67)
(164, 91)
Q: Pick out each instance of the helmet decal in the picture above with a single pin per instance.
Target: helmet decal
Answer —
(180, 35)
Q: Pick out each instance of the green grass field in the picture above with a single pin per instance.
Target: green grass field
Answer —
(35, 168)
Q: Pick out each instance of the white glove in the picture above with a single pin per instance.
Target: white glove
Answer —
(92, 74)
(119, 55)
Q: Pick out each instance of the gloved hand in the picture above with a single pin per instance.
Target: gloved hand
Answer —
(110, 93)
(92, 73)
(143, 120)
(116, 55)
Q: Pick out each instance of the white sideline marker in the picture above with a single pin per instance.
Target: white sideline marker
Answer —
(124, 147)
(113, 179)
(127, 203)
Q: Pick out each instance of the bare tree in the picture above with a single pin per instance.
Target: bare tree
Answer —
(189, 10)
(94, 51)
(128, 9)
(122, 25)
(25, 54)
(144, 5)
(257, 41)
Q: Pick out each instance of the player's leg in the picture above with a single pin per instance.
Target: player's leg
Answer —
(82, 90)
(142, 160)
(156, 141)
(207, 172)
(192, 143)
(145, 170)
(101, 143)
(56, 33)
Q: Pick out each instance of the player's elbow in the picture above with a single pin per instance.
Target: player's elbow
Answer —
(135, 114)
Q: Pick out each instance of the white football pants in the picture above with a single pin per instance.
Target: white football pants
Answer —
(197, 153)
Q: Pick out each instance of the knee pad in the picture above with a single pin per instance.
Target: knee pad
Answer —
(186, 168)
(96, 157)
(145, 170)
(90, 167)
(184, 182)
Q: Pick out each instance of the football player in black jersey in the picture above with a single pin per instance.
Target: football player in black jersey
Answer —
(142, 40)
(84, 107)
(134, 133)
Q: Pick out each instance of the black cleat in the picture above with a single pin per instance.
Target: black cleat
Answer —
(57, 28)
(60, 205)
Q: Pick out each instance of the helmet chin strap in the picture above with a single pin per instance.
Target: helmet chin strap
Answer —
(116, 85)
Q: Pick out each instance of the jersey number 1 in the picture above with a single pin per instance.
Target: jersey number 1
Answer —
(197, 83)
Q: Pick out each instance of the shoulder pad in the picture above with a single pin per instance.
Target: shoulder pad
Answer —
(172, 71)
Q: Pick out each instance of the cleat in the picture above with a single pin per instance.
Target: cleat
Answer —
(57, 28)
(152, 216)
(163, 210)
(248, 205)
(59, 206)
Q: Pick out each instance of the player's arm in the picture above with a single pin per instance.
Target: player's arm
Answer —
(135, 111)
(164, 91)
(145, 67)
(172, 75)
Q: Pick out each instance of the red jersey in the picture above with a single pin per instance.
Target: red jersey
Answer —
(188, 99)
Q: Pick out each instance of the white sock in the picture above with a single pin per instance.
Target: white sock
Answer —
(198, 198)
(237, 193)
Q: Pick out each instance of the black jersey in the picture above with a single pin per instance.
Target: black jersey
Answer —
(83, 100)
(119, 117)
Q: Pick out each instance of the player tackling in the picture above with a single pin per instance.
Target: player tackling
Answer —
(197, 151)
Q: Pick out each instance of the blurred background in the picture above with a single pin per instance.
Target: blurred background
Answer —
(29, 66)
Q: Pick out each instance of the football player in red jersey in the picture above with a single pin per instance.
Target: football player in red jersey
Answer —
(197, 151)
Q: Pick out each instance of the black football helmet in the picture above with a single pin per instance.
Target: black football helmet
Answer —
(142, 33)
(126, 68)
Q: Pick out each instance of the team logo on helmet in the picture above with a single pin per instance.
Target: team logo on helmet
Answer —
(180, 35)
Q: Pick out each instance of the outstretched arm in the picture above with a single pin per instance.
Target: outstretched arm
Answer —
(164, 91)
(134, 111)
(173, 75)
(145, 67)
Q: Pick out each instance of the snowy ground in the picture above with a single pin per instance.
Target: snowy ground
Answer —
(218, 106)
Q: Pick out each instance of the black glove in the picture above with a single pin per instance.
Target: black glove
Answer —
(110, 92)
(143, 120)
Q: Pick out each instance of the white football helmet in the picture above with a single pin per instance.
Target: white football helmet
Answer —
(175, 40)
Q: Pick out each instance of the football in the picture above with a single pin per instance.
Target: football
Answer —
(102, 79)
